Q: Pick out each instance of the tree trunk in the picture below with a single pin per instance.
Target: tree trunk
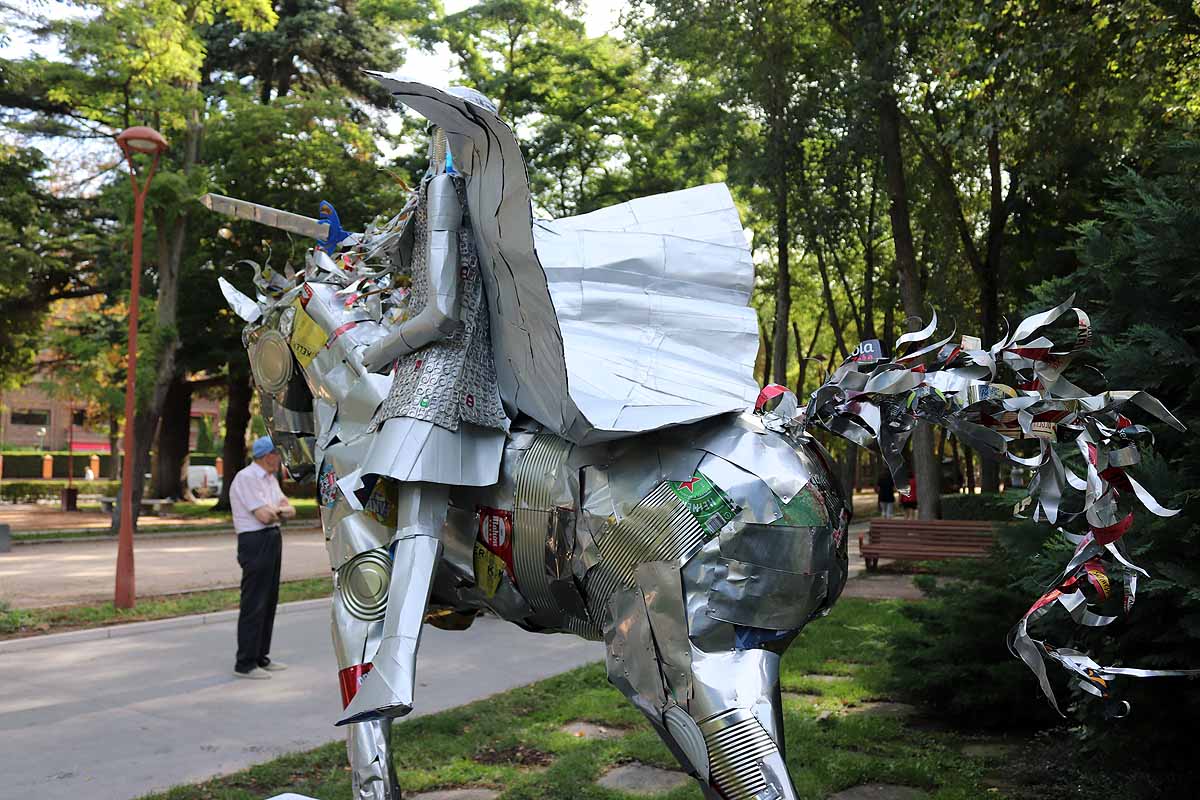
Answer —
(114, 442)
(989, 281)
(174, 439)
(237, 420)
(888, 339)
(850, 469)
(803, 356)
(877, 52)
(868, 290)
(767, 343)
(839, 338)
(783, 282)
(957, 460)
(969, 458)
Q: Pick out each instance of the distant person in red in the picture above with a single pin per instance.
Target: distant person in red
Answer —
(908, 501)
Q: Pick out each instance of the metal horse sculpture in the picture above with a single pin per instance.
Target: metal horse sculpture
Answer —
(697, 549)
(696, 572)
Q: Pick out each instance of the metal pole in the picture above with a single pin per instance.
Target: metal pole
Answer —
(125, 595)
(146, 141)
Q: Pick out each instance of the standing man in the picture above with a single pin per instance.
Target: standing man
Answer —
(258, 507)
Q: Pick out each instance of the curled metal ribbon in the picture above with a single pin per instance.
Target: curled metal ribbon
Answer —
(959, 390)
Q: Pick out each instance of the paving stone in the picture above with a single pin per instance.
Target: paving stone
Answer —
(590, 730)
(879, 791)
(989, 750)
(803, 697)
(642, 779)
(457, 794)
(883, 708)
(825, 678)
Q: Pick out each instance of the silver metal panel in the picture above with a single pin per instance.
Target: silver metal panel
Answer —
(265, 215)
(747, 490)
(648, 262)
(770, 456)
(781, 547)
(632, 666)
(744, 679)
(659, 528)
(662, 590)
(760, 597)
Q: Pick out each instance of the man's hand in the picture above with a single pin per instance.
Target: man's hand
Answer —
(267, 515)
(286, 511)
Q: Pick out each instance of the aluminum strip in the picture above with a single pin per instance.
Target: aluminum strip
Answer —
(532, 502)
(736, 743)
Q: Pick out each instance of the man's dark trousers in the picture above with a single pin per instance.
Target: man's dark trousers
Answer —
(260, 554)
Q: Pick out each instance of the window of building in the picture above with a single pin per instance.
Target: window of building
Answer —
(78, 417)
(31, 416)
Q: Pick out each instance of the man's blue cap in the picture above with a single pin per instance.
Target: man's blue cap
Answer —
(262, 446)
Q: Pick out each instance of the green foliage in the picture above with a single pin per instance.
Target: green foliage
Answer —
(954, 659)
(204, 437)
(983, 506)
(583, 108)
(45, 246)
(1138, 273)
(315, 43)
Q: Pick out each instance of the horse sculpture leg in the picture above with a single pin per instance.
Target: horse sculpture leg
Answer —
(389, 685)
(367, 743)
(738, 710)
(718, 712)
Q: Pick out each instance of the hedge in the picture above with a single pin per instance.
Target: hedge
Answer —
(29, 465)
(32, 491)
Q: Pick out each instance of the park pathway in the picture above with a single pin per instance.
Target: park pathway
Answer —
(117, 718)
(36, 575)
(64, 573)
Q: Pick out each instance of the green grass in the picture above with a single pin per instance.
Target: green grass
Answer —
(15, 623)
(489, 743)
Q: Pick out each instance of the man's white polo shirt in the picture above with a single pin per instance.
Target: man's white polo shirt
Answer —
(252, 488)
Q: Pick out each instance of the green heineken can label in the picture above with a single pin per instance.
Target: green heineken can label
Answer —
(711, 507)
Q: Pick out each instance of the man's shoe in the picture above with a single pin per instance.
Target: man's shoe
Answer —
(254, 674)
(273, 666)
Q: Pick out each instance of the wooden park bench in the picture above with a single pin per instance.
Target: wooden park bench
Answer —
(155, 507)
(925, 540)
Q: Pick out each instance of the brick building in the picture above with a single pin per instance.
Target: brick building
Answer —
(26, 412)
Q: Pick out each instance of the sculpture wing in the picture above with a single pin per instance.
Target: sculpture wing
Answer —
(652, 298)
(643, 321)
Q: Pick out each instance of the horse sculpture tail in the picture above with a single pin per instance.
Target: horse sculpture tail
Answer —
(876, 403)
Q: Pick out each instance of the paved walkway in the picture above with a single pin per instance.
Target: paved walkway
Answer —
(118, 718)
(38, 517)
(64, 573)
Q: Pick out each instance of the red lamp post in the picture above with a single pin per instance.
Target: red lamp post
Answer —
(147, 141)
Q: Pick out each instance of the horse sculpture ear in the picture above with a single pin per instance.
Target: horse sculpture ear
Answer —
(242, 305)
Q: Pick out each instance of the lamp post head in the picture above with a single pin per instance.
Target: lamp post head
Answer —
(141, 139)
